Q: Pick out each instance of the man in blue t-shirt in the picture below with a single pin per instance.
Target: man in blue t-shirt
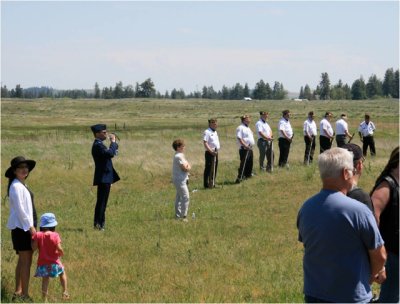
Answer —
(343, 249)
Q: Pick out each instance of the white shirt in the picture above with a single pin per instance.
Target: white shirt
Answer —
(284, 125)
(244, 132)
(211, 138)
(264, 128)
(21, 210)
(341, 127)
(178, 175)
(310, 127)
(366, 129)
(325, 125)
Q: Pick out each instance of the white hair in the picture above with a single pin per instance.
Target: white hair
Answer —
(332, 162)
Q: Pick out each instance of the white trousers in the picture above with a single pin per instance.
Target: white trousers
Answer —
(182, 199)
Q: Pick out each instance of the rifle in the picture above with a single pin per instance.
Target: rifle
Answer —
(272, 154)
(333, 136)
(351, 138)
(309, 151)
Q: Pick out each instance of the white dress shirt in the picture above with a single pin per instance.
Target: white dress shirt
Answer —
(211, 138)
(366, 129)
(325, 125)
(244, 132)
(310, 128)
(341, 127)
(263, 127)
(284, 125)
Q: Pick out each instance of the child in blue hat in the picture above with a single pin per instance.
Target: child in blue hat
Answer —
(49, 264)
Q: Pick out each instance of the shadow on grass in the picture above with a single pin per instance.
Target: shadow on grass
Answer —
(5, 294)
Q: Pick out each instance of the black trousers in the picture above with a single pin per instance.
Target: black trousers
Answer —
(368, 141)
(103, 191)
(324, 143)
(284, 148)
(246, 164)
(340, 140)
(310, 148)
(209, 172)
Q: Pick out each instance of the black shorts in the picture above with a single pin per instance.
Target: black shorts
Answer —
(22, 240)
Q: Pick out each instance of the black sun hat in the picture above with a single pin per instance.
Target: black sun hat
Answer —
(16, 161)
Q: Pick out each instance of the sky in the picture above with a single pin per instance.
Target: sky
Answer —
(190, 44)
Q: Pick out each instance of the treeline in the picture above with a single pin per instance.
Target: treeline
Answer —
(147, 89)
(374, 88)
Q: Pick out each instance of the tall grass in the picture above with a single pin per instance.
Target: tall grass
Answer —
(241, 247)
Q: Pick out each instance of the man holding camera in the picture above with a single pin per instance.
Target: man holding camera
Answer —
(104, 173)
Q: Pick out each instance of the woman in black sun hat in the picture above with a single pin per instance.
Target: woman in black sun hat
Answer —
(22, 221)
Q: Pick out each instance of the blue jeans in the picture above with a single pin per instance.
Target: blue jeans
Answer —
(390, 288)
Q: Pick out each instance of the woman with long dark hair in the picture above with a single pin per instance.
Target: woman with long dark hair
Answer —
(385, 197)
(22, 222)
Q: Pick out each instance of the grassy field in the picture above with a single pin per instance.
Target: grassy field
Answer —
(241, 247)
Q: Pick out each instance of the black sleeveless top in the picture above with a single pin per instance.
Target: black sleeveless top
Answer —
(389, 219)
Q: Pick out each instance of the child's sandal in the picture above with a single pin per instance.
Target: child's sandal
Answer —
(65, 296)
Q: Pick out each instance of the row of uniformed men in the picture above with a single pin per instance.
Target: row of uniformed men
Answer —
(245, 142)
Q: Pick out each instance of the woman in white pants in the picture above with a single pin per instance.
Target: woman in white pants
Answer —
(180, 176)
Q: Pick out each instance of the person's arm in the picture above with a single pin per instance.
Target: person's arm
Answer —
(184, 164)
(306, 129)
(286, 136)
(100, 150)
(380, 198)
(208, 148)
(244, 145)
(326, 130)
(348, 134)
(377, 259)
(60, 249)
(34, 244)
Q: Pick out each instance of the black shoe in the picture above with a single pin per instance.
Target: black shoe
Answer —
(237, 181)
(99, 227)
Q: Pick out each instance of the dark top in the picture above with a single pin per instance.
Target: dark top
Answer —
(104, 172)
(361, 196)
(389, 218)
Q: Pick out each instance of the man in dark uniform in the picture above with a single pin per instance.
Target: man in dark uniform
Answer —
(104, 173)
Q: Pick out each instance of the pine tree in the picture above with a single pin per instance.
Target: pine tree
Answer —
(358, 89)
(388, 83)
(301, 95)
(374, 87)
(325, 87)
(97, 92)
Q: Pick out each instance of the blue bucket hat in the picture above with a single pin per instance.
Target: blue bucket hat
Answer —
(48, 220)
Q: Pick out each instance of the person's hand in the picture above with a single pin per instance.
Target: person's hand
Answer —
(32, 230)
(380, 277)
(112, 137)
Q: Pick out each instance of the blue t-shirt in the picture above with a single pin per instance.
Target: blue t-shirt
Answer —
(337, 233)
